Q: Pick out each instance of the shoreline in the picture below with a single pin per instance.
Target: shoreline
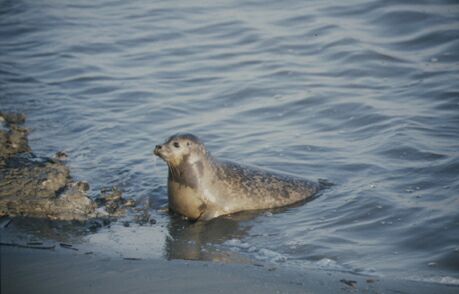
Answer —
(25, 270)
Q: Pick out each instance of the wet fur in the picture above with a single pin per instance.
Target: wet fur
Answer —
(205, 188)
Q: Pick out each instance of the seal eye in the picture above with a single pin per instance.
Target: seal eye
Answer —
(176, 145)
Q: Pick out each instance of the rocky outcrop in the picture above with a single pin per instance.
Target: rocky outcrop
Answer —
(36, 186)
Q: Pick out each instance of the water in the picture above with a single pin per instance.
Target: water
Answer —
(365, 94)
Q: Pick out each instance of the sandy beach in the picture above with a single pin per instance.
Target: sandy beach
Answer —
(47, 271)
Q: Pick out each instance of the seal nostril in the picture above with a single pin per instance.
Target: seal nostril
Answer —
(158, 146)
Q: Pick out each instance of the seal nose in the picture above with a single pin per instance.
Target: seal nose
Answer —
(157, 148)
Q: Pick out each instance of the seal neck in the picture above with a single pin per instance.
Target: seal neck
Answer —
(191, 174)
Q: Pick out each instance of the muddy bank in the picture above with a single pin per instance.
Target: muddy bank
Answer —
(22, 272)
(36, 186)
(42, 187)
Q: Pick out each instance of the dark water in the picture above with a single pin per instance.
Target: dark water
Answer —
(365, 94)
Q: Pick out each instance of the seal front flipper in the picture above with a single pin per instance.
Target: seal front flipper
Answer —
(208, 214)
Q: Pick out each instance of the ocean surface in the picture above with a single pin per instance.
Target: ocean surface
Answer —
(362, 93)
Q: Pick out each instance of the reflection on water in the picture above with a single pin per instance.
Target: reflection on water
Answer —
(42, 229)
(177, 238)
(172, 236)
(196, 241)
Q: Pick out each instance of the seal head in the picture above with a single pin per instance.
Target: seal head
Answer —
(180, 149)
(183, 153)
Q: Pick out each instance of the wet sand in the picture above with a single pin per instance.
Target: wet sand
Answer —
(47, 271)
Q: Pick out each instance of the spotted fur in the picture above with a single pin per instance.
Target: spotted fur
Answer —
(201, 187)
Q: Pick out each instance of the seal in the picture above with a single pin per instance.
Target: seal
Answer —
(201, 187)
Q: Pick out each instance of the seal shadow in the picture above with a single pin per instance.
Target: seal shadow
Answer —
(200, 240)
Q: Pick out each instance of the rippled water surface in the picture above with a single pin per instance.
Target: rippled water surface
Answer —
(363, 93)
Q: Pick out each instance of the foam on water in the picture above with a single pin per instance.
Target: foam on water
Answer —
(439, 280)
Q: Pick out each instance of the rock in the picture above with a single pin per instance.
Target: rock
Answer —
(30, 177)
(112, 207)
(114, 203)
(129, 203)
(12, 118)
(113, 195)
(35, 189)
(36, 186)
(144, 218)
(13, 140)
(61, 155)
(42, 187)
(82, 186)
(350, 283)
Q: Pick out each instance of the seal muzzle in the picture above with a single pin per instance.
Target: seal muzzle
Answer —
(157, 150)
